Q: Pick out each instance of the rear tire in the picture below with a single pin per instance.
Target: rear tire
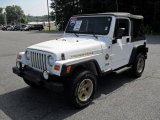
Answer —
(138, 65)
(82, 89)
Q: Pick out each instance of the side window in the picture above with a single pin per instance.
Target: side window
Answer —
(122, 23)
(137, 30)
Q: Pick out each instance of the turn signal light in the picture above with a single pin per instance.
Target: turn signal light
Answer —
(57, 67)
(19, 57)
(68, 70)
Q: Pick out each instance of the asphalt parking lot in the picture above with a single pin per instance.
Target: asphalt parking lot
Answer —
(120, 97)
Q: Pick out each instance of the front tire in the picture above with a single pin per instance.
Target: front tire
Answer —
(138, 66)
(82, 89)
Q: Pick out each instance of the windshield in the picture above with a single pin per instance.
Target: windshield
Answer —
(89, 25)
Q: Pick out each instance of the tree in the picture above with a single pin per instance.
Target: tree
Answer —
(156, 14)
(52, 15)
(1, 9)
(37, 18)
(2, 19)
(15, 14)
(64, 9)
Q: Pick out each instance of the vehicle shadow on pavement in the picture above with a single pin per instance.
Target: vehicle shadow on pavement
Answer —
(109, 83)
(30, 104)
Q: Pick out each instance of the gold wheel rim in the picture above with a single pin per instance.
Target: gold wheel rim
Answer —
(85, 90)
(140, 65)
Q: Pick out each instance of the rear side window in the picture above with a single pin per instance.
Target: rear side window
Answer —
(137, 30)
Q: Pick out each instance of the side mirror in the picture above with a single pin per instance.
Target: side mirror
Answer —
(120, 33)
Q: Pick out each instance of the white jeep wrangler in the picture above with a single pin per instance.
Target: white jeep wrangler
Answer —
(92, 45)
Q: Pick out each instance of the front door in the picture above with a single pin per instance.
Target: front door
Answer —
(119, 56)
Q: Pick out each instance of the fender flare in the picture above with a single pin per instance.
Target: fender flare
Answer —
(91, 65)
(135, 51)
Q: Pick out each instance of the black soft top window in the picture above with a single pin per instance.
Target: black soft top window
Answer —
(137, 30)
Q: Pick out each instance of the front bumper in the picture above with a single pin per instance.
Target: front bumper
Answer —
(54, 82)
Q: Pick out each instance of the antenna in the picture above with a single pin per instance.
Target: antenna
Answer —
(117, 11)
(117, 5)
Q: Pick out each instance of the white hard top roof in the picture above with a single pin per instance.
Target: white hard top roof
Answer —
(117, 14)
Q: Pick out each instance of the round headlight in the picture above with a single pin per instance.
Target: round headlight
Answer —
(19, 65)
(50, 60)
(45, 75)
(27, 55)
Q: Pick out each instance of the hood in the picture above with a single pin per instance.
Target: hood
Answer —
(71, 47)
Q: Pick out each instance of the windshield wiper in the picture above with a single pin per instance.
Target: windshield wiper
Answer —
(76, 34)
(94, 35)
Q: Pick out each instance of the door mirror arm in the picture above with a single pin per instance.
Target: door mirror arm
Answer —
(120, 33)
(114, 40)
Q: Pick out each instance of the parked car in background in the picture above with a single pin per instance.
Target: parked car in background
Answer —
(37, 27)
(26, 28)
(22, 27)
(4, 28)
(10, 28)
(17, 27)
